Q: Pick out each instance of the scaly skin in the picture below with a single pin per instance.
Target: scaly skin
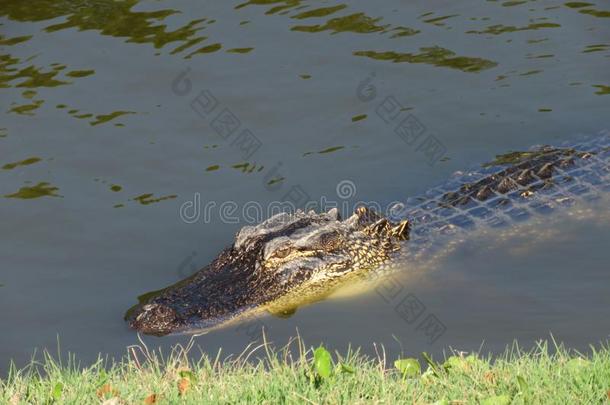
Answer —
(289, 260)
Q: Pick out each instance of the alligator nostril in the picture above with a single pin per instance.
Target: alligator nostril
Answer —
(155, 319)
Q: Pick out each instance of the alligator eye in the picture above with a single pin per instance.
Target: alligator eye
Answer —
(283, 252)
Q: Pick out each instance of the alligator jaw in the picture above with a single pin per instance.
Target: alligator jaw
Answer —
(218, 292)
(155, 319)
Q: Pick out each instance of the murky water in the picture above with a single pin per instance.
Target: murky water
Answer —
(116, 113)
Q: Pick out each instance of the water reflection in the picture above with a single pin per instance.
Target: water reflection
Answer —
(113, 18)
(98, 119)
(438, 21)
(596, 48)
(26, 109)
(24, 162)
(13, 41)
(583, 9)
(42, 189)
(205, 49)
(502, 29)
(357, 23)
(247, 167)
(32, 76)
(240, 50)
(602, 89)
(146, 199)
(436, 56)
(319, 12)
(279, 6)
(80, 73)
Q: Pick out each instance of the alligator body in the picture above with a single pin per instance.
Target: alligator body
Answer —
(302, 257)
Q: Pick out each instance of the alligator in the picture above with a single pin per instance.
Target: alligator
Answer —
(300, 257)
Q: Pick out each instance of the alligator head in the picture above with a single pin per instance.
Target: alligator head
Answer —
(307, 252)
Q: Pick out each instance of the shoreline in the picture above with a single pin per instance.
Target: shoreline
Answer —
(296, 373)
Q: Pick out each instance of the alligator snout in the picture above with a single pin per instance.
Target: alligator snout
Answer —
(155, 319)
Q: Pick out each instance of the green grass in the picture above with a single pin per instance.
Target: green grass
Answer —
(548, 374)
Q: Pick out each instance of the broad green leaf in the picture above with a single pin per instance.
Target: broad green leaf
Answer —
(496, 400)
(322, 362)
(57, 389)
(474, 360)
(441, 402)
(409, 368)
(453, 362)
(463, 363)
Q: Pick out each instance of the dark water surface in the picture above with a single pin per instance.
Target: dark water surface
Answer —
(101, 143)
